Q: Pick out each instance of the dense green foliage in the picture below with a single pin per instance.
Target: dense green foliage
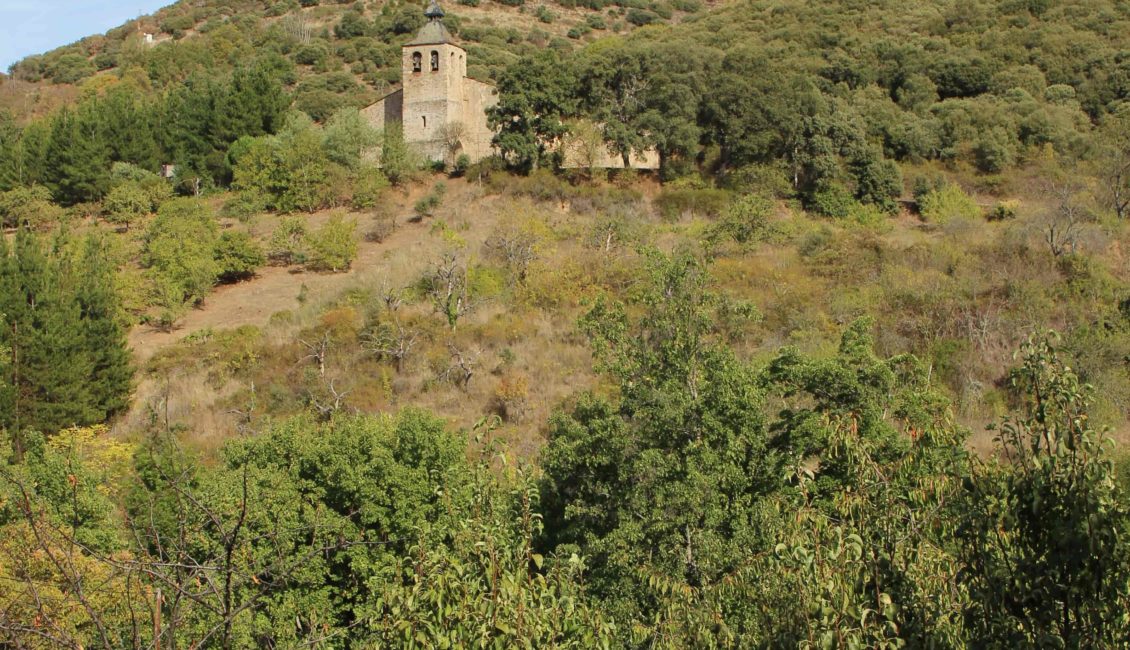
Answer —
(65, 361)
(706, 502)
(718, 474)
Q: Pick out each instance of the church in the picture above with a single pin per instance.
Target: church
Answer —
(444, 112)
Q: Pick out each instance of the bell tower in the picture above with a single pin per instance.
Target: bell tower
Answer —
(433, 73)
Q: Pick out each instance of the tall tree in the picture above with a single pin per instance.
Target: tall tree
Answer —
(77, 156)
(668, 479)
(11, 158)
(536, 94)
(49, 371)
(1045, 539)
(104, 338)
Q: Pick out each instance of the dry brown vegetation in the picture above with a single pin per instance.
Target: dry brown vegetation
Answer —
(960, 295)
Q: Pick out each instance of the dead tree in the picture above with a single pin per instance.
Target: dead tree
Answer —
(1063, 222)
(448, 289)
(515, 249)
(318, 351)
(464, 365)
(391, 340)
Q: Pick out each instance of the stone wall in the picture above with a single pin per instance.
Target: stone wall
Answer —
(477, 98)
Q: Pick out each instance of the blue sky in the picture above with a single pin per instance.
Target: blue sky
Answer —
(36, 26)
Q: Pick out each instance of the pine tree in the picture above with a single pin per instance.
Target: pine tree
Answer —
(10, 156)
(49, 371)
(78, 163)
(103, 336)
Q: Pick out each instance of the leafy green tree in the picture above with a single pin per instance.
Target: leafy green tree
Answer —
(332, 247)
(613, 80)
(536, 95)
(126, 203)
(398, 161)
(489, 584)
(668, 479)
(180, 252)
(348, 137)
(29, 207)
(1044, 541)
(301, 529)
(238, 255)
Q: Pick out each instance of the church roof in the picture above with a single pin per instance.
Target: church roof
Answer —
(433, 32)
(434, 11)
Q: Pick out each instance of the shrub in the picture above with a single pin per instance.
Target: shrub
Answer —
(462, 164)
(244, 205)
(332, 247)
(946, 204)
(238, 255)
(427, 205)
(771, 179)
(745, 221)
(368, 188)
(1004, 211)
(180, 252)
(126, 203)
(511, 397)
(673, 204)
(382, 228)
(287, 244)
(28, 206)
(834, 202)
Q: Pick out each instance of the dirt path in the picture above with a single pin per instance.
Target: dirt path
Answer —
(402, 255)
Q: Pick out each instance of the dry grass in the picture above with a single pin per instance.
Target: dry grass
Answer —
(962, 298)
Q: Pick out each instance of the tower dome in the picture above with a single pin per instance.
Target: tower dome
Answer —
(433, 32)
(434, 11)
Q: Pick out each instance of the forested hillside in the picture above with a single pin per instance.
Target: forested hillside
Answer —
(850, 369)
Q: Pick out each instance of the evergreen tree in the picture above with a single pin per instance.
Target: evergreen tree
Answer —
(10, 157)
(103, 336)
(127, 123)
(77, 157)
(50, 369)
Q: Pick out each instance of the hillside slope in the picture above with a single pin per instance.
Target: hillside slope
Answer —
(343, 53)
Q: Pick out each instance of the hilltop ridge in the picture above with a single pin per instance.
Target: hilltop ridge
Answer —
(344, 53)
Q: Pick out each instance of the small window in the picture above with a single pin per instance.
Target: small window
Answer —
(417, 62)
(435, 61)
(425, 121)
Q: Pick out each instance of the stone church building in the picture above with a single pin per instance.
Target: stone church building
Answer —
(444, 112)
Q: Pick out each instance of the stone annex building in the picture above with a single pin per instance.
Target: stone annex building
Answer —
(443, 111)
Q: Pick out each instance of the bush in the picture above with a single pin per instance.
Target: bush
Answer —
(673, 204)
(1004, 211)
(28, 206)
(333, 247)
(179, 252)
(946, 204)
(244, 205)
(126, 203)
(382, 228)
(426, 206)
(239, 256)
(287, 244)
(834, 202)
(368, 188)
(462, 164)
(746, 221)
